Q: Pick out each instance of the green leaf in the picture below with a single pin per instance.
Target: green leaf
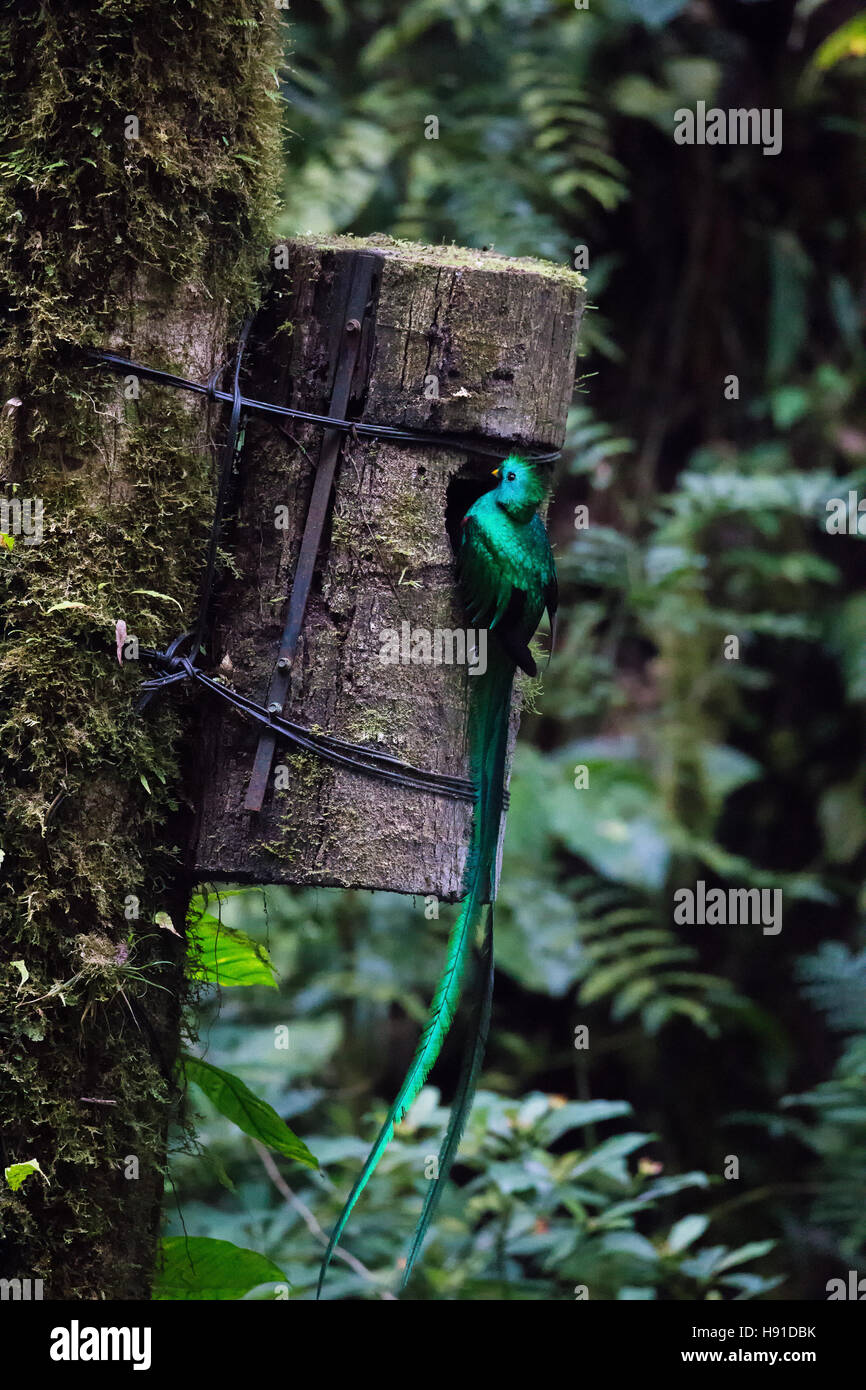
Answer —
(655, 13)
(18, 1173)
(608, 1157)
(630, 1243)
(152, 593)
(226, 956)
(685, 1232)
(197, 1267)
(842, 820)
(252, 1115)
(25, 973)
(849, 41)
(788, 404)
(576, 1113)
(615, 822)
(753, 1250)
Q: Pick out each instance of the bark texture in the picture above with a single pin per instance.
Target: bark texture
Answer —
(456, 341)
(139, 147)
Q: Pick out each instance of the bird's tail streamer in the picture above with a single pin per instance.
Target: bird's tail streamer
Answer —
(479, 1027)
(488, 743)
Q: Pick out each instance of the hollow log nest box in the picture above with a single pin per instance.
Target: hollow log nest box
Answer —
(449, 341)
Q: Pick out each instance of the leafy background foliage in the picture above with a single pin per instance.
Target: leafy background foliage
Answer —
(606, 1167)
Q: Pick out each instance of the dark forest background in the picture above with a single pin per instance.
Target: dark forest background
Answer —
(711, 1140)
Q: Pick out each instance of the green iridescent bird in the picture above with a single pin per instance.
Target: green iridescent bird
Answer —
(507, 579)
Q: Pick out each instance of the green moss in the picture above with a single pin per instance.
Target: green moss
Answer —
(376, 725)
(348, 534)
(404, 529)
(98, 232)
(306, 770)
(456, 257)
(401, 536)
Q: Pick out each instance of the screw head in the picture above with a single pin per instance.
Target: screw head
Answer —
(353, 326)
(273, 707)
(283, 664)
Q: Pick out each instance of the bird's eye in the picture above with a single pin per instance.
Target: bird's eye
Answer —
(511, 477)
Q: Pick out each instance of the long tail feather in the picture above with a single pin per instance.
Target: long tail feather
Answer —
(488, 739)
(441, 1015)
(479, 1028)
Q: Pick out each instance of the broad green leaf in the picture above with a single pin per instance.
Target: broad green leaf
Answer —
(630, 1243)
(254, 1116)
(226, 956)
(849, 41)
(753, 1250)
(750, 1285)
(198, 903)
(577, 1113)
(200, 1268)
(843, 821)
(18, 1173)
(685, 1232)
(615, 822)
(609, 1156)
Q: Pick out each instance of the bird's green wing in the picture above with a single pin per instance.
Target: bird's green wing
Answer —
(485, 588)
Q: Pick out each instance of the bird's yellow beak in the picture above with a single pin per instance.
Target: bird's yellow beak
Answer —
(496, 472)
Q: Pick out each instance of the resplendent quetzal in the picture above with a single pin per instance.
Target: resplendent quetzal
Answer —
(507, 579)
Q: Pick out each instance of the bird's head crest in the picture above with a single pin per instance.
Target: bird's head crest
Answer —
(520, 488)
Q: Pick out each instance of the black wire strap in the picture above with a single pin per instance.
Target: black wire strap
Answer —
(174, 666)
(466, 444)
(335, 750)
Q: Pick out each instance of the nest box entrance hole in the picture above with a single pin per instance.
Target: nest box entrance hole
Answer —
(463, 491)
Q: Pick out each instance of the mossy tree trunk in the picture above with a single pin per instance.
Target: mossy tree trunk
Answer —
(138, 157)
